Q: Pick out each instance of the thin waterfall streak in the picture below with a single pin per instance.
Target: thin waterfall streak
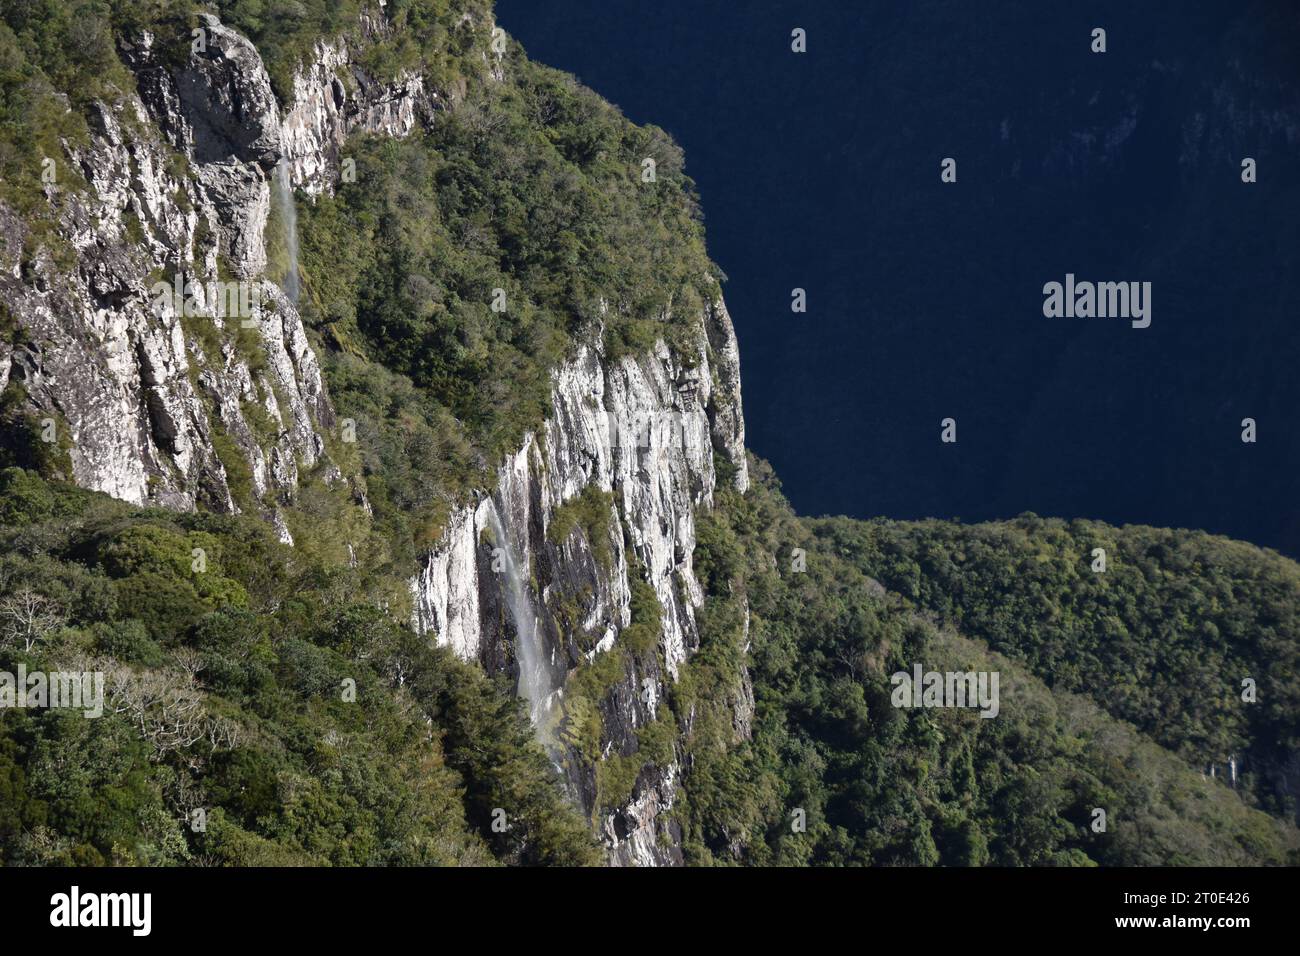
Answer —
(535, 681)
(289, 222)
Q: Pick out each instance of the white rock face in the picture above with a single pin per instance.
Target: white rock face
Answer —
(132, 381)
(138, 382)
(641, 431)
(331, 100)
(644, 429)
(728, 416)
(145, 387)
(446, 590)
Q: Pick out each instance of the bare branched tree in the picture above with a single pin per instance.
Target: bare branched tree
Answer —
(190, 662)
(166, 707)
(223, 734)
(28, 618)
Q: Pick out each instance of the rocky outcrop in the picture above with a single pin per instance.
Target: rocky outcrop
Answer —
(332, 99)
(219, 111)
(176, 373)
(645, 431)
(725, 414)
(179, 375)
(163, 397)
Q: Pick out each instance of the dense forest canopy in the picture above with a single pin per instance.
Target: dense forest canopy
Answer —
(260, 648)
(282, 690)
(256, 684)
(939, 786)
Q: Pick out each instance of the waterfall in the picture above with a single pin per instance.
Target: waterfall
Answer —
(535, 681)
(289, 223)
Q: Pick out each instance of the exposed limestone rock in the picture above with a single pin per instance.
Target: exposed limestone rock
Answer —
(220, 111)
(725, 413)
(634, 835)
(132, 376)
(331, 100)
(154, 390)
(644, 429)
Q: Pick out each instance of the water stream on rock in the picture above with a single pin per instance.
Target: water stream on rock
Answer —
(289, 222)
(536, 684)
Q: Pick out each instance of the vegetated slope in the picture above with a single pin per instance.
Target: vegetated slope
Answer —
(471, 258)
(510, 231)
(883, 785)
(500, 226)
(1164, 638)
(231, 658)
(227, 692)
(515, 309)
(258, 710)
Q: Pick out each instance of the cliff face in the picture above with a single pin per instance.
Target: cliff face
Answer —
(166, 398)
(645, 430)
(162, 397)
(333, 98)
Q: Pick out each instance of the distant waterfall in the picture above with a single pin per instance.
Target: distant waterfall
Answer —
(535, 683)
(289, 222)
